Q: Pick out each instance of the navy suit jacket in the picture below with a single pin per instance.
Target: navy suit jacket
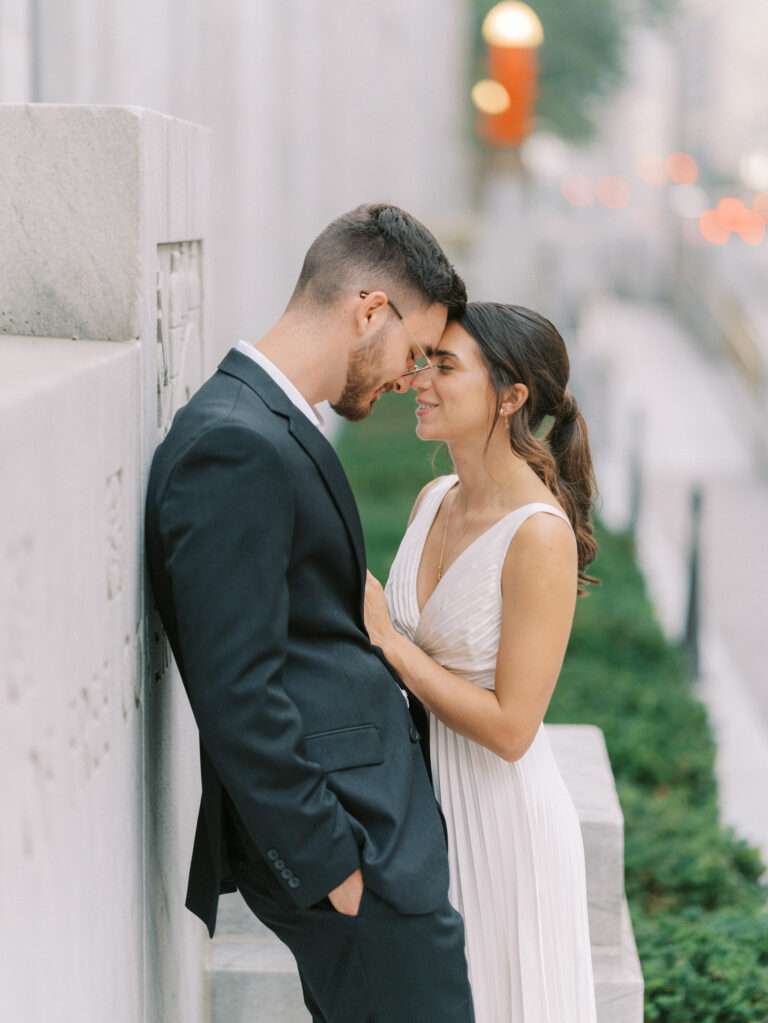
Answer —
(257, 565)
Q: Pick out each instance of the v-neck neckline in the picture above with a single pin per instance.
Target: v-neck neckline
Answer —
(446, 573)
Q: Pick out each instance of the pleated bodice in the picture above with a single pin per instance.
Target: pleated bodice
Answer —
(460, 624)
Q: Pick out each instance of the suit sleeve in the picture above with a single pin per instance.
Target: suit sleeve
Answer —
(226, 521)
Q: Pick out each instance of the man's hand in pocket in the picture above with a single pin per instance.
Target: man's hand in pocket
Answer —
(346, 897)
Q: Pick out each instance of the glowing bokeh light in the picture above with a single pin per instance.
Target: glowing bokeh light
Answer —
(490, 97)
(711, 228)
(754, 170)
(731, 212)
(682, 169)
(578, 189)
(752, 228)
(760, 205)
(512, 24)
(613, 192)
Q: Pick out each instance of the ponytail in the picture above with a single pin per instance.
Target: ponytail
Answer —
(569, 443)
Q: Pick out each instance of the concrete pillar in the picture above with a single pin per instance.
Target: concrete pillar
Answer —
(103, 333)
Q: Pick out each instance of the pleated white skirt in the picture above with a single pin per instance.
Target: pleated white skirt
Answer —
(517, 877)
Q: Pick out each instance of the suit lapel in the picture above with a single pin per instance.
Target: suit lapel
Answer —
(312, 441)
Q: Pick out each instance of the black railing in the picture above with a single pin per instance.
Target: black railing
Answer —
(692, 637)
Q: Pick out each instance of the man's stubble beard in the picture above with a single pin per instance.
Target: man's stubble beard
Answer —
(355, 402)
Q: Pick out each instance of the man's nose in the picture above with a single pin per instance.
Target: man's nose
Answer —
(404, 383)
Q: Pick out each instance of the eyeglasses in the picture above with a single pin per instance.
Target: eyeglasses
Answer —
(423, 361)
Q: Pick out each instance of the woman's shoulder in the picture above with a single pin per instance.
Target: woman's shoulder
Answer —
(426, 489)
(542, 544)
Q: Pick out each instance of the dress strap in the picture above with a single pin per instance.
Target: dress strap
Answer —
(430, 501)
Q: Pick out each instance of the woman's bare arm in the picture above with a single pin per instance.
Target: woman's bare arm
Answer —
(539, 579)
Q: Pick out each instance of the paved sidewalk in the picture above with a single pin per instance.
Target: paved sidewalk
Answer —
(654, 401)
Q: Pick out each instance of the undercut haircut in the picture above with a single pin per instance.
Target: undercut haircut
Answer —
(374, 246)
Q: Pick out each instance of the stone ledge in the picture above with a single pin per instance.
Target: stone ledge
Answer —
(618, 978)
(582, 757)
(30, 365)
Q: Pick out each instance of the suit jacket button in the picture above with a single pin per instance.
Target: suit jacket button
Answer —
(294, 882)
(272, 854)
(286, 873)
(279, 864)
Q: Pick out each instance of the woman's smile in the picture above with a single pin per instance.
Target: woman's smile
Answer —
(423, 407)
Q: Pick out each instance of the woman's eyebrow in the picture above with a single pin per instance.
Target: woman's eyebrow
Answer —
(441, 351)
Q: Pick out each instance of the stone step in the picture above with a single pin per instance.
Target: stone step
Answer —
(618, 977)
(254, 979)
(582, 757)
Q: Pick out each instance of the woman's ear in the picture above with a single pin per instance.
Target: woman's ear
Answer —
(514, 399)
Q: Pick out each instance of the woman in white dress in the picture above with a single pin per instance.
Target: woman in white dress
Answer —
(476, 618)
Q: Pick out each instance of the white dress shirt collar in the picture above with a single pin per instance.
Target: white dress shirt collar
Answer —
(291, 390)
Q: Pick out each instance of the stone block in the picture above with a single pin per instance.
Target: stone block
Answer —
(71, 682)
(102, 246)
(84, 193)
(255, 981)
(582, 757)
(618, 978)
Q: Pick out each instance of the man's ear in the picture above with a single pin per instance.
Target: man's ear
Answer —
(369, 307)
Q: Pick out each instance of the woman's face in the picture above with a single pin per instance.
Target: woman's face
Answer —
(455, 399)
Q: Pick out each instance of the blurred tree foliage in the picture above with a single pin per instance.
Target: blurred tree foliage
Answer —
(581, 61)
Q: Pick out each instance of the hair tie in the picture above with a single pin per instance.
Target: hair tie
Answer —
(567, 410)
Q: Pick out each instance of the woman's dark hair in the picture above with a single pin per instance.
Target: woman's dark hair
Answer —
(388, 245)
(520, 346)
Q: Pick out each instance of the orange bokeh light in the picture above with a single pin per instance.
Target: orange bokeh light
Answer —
(760, 205)
(730, 212)
(712, 229)
(731, 216)
(752, 228)
(613, 192)
(682, 169)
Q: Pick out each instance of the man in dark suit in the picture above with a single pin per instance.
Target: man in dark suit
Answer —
(316, 801)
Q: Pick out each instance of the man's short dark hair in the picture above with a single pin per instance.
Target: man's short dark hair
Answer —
(378, 246)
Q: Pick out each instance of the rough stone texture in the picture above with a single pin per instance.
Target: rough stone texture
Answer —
(72, 682)
(102, 231)
(81, 191)
(64, 276)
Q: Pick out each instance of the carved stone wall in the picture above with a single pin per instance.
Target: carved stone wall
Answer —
(179, 327)
(102, 229)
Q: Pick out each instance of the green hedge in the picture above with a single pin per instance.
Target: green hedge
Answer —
(697, 903)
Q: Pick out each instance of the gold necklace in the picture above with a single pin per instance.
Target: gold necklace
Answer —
(442, 548)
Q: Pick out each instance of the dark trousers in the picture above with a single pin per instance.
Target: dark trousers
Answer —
(378, 967)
